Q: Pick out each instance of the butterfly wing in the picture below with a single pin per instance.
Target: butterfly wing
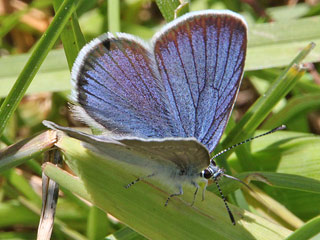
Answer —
(174, 156)
(166, 157)
(118, 88)
(200, 57)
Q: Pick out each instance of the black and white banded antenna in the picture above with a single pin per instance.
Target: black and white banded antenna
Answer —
(248, 140)
(225, 202)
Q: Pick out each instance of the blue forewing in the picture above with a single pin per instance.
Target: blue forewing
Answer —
(200, 59)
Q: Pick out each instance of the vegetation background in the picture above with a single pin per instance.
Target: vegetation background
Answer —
(39, 42)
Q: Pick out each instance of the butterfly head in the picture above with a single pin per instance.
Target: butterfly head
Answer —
(212, 171)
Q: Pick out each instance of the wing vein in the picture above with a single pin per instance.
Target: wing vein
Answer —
(172, 92)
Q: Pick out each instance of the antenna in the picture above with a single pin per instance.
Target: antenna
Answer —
(225, 202)
(248, 140)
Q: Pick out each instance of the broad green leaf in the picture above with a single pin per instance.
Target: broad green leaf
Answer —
(70, 182)
(104, 180)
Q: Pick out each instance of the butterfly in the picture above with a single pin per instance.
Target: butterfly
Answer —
(162, 105)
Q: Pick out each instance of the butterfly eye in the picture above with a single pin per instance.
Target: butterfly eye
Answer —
(206, 174)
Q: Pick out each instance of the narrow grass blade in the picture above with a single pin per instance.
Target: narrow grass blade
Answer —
(268, 207)
(307, 231)
(114, 16)
(295, 106)
(21, 184)
(72, 183)
(53, 75)
(167, 8)
(275, 44)
(71, 36)
(97, 226)
(283, 180)
(289, 153)
(26, 149)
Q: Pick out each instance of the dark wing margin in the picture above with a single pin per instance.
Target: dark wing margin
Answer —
(201, 59)
(118, 88)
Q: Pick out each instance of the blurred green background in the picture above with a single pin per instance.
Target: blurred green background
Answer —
(37, 50)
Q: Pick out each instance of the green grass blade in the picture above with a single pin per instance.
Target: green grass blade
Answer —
(307, 231)
(285, 13)
(167, 8)
(26, 149)
(71, 36)
(114, 16)
(70, 182)
(283, 180)
(279, 180)
(267, 34)
(278, 43)
(286, 152)
(22, 185)
(53, 75)
(97, 227)
(294, 107)
(31, 68)
(13, 213)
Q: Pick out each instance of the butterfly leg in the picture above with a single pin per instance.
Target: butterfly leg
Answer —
(139, 179)
(204, 190)
(195, 193)
(174, 195)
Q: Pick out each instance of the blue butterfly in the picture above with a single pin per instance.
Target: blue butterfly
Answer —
(166, 104)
